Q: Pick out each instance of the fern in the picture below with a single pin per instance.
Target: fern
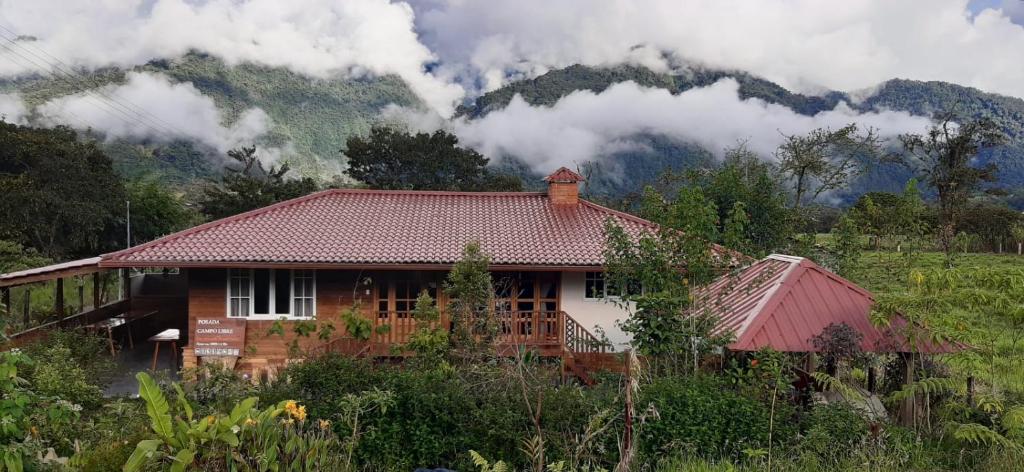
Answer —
(979, 434)
(829, 382)
(932, 385)
(486, 466)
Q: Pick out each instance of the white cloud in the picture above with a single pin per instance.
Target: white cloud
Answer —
(156, 108)
(585, 126)
(315, 37)
(12, 108)
(802, 44)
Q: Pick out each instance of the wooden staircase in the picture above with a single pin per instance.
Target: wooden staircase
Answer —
(578, 347)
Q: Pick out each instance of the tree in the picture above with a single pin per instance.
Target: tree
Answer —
(61, 196)
(391, 159)
(747, 179)
(825, 160)
(250, 186)
(156, 211)
(944, 159)
(896, 218)
(665, 266)
(471, 301)
(846, 247)
(992, 223)
(14, 257)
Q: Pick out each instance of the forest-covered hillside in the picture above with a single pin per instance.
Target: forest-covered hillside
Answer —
(915, 97)
(313, 115)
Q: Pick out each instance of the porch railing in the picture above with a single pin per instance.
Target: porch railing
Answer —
(531, 328)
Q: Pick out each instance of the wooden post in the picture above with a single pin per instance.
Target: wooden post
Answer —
(5, 298)
(96, 290)
(872, 379)
(58, 297)
(907, 410)
(81, 294)
(126, 284)
(970, 391)
(28, 307)
(627, 435)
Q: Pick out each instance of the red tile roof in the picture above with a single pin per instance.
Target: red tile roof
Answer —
(564, 175)
(783, 302)
(375, 227)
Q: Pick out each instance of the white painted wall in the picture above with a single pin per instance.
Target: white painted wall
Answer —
(590, 313)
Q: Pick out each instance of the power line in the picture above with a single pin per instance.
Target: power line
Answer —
(105, 106)
(112, 105)
(69, 71)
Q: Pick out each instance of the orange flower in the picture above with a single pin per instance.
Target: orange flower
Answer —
(754, 363)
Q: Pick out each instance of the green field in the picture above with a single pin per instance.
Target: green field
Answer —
(995, 332)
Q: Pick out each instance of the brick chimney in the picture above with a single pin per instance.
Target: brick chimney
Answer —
(563, 187)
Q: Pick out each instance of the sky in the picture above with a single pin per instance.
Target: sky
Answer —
(449, 51)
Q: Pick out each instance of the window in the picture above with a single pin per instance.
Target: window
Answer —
(271, 293)
(596, 287)
(593, 286)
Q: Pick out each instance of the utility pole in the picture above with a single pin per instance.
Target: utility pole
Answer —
(128, 219)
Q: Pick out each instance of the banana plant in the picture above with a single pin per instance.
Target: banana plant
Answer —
(179, 439)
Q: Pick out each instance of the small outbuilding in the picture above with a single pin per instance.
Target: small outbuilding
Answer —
(783, 302)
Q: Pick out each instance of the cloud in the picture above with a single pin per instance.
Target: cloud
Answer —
(158, 109)
(585, 126)
(804, 45)
(12, 109)
(319, 38)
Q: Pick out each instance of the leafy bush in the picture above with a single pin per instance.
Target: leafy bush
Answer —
(278, 437)
(214, 387)
(833, 431)
(439, 414)
(22, 411)
(702, 414)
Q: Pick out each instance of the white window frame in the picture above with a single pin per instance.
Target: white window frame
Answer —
(312, 297)
(272, 300)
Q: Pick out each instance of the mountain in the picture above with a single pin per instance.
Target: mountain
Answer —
(919, 98)
(315, 116)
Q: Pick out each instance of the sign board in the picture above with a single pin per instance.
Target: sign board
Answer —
(219, 337)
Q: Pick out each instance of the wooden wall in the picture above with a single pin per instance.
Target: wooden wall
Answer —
(334, 292)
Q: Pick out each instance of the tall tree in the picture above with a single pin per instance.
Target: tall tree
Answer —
(825, 159)
(944, 158)
(744, 178)
(157, 211)
(248, 185)
(60, 195)
(391, 159)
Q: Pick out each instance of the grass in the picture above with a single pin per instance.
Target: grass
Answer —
(999, 339)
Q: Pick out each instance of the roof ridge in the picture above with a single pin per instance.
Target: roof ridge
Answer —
(218, 222)
(371, 191)
(620, 214)
(768, 297)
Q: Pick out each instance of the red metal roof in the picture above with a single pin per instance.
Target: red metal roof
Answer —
(564, 175)
(377, 227)
(783, 302)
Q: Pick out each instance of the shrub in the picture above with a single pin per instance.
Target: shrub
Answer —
(215, 388)
(702, 414)
(833, 431)
(277, 437)
(439, 414)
